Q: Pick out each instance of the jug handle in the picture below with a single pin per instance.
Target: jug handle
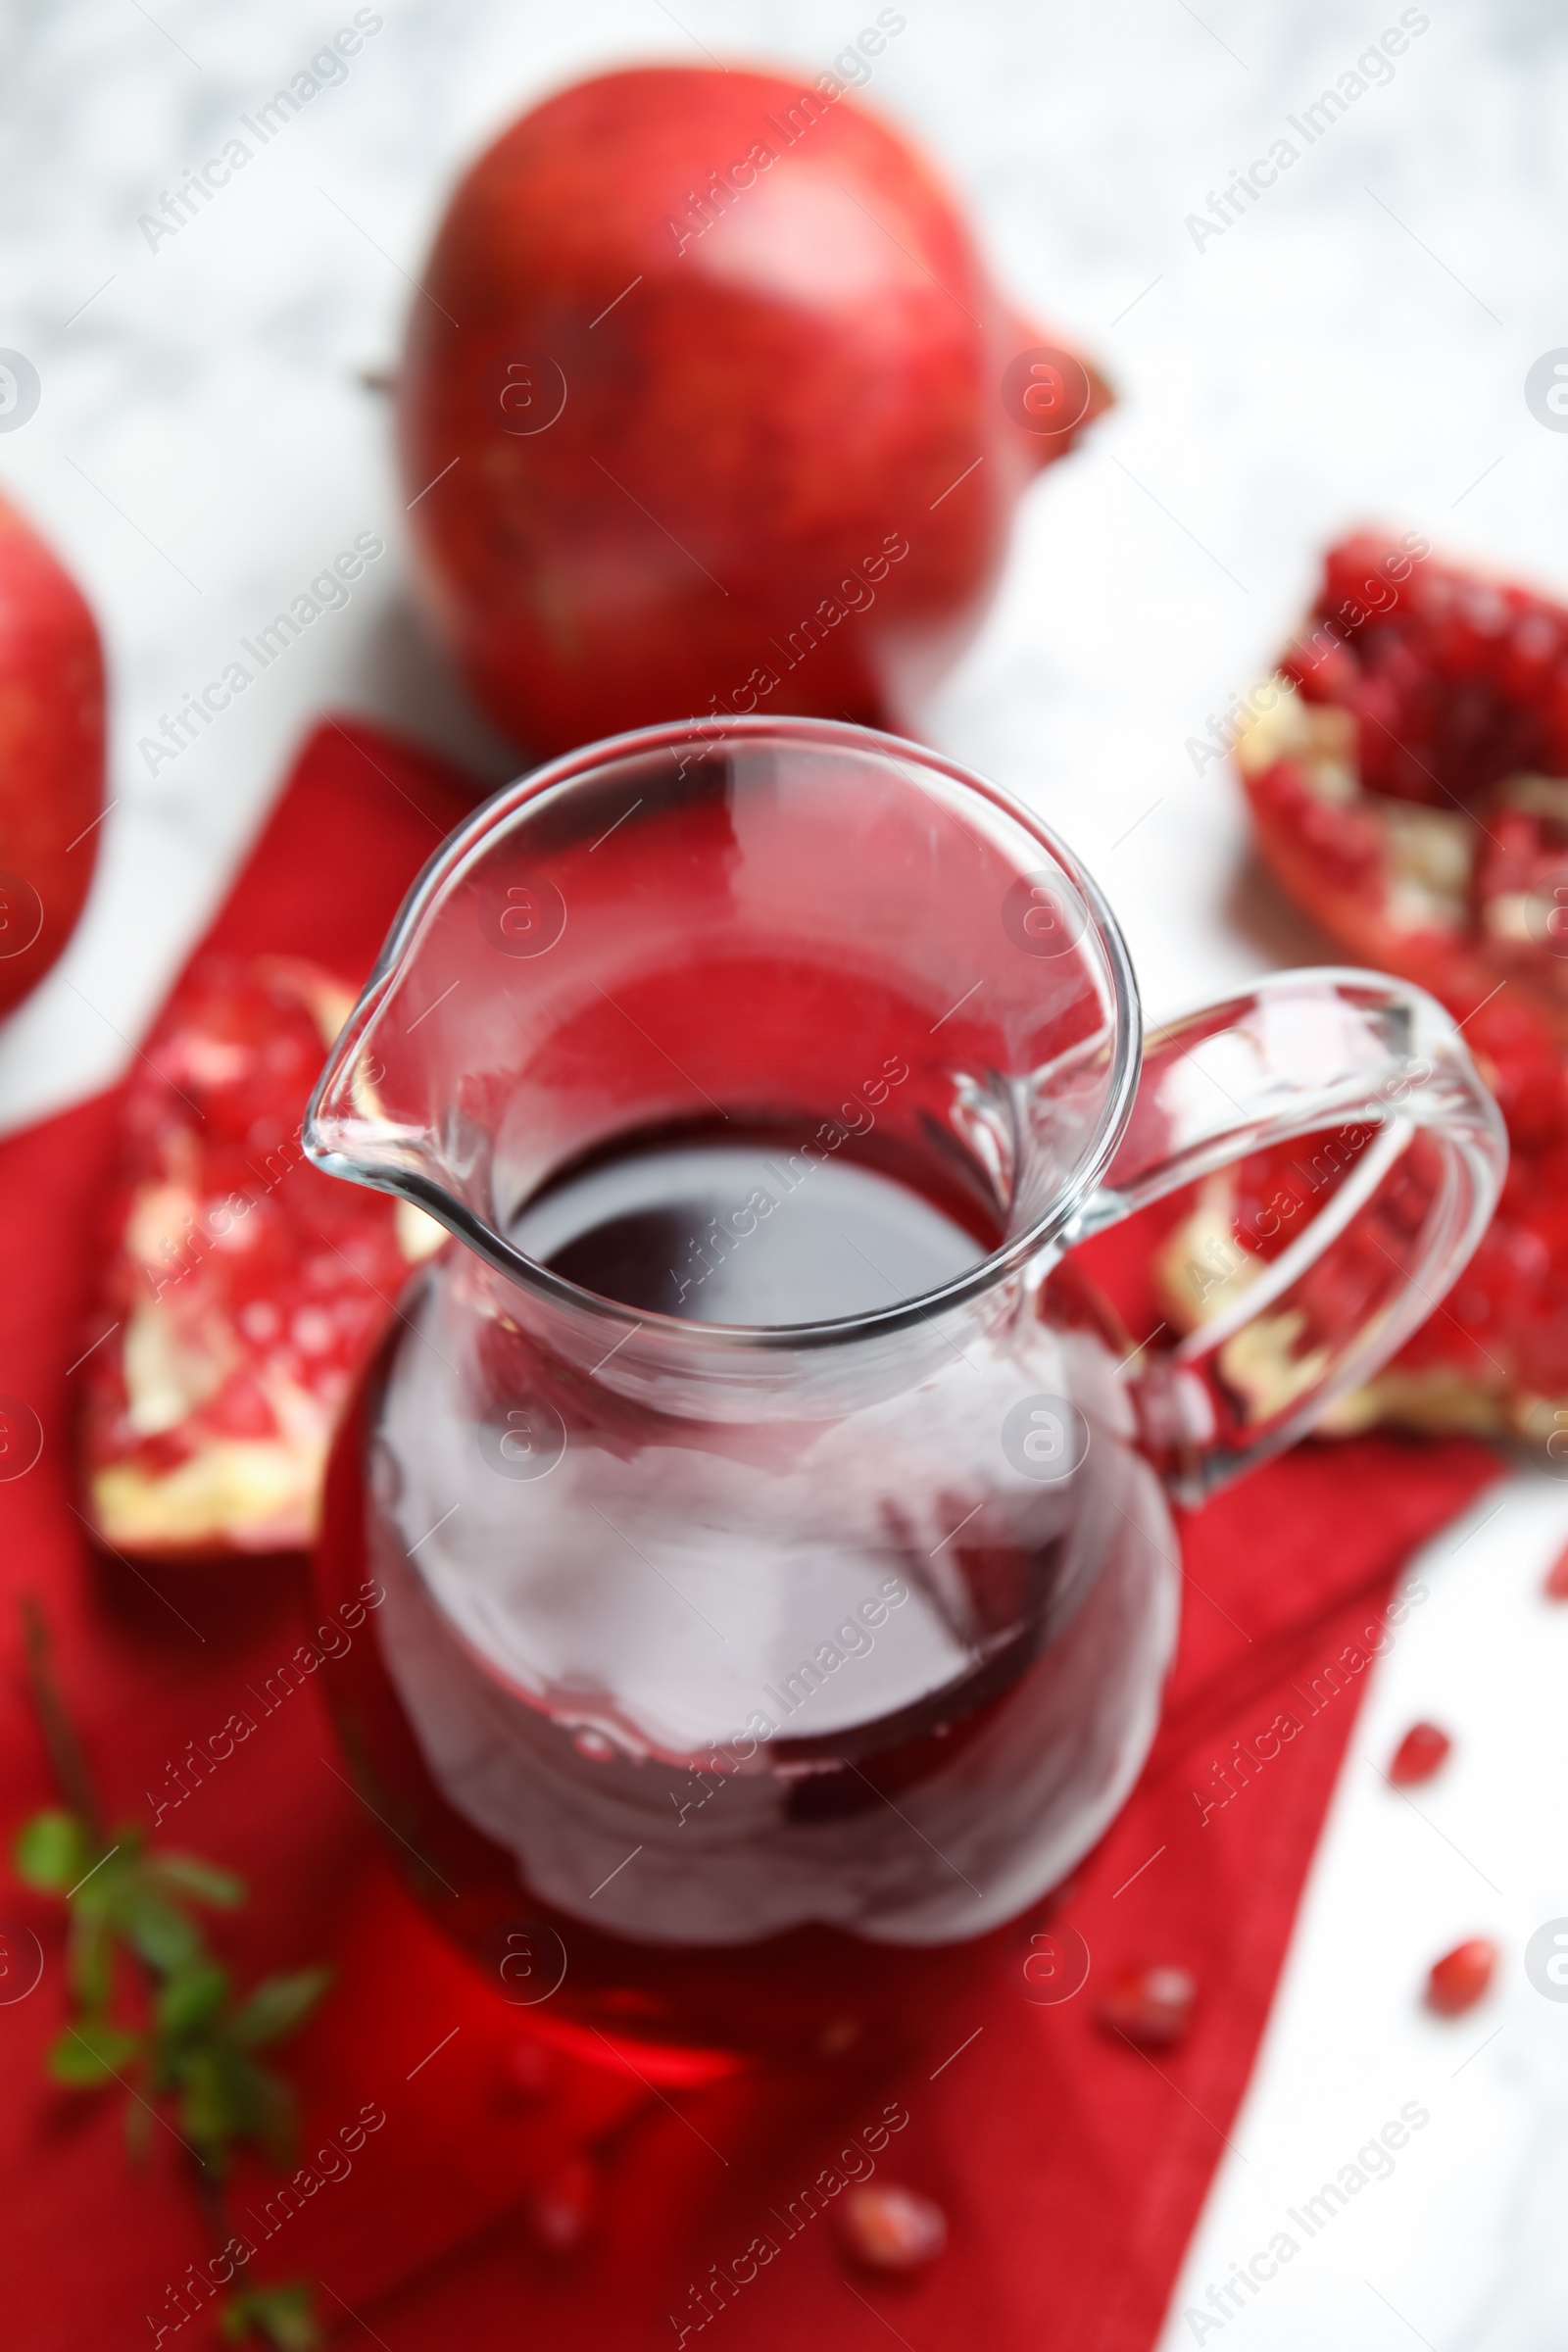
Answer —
(1410, 1153)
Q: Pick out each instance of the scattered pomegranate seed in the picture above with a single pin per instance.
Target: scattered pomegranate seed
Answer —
(1418, 1754)
(1556, 1586)
(559, 2214)
(1459, 1978)
(1152, 2006)
(890, 2229)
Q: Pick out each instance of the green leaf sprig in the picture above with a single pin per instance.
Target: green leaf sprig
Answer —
(194, 2038)
(199, 2037)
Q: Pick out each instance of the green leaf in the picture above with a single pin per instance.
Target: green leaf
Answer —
(281, 2314)
(203, 1881)
(190, 2000)
(278, 2007)
(51, 1851)
(214, 2110)
(162, 1935)
(91, 1959)
(103, 1892)
(91, 2054)
(229, 2097)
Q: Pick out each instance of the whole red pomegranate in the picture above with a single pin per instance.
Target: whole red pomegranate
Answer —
(709, 405)
(51, 756)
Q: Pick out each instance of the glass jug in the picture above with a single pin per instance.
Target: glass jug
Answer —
(767, 1533)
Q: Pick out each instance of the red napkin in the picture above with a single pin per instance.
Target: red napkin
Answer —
(1071, 2168)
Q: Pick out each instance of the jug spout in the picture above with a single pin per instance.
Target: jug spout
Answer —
(395, 1109)
(351, 1128)
(434, 1066)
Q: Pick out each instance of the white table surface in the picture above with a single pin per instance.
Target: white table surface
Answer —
(1355, 347)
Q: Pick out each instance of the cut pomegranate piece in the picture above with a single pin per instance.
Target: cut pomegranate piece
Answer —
(1556, 1586)
(1151, 2006)
(1406, 773)
(1419, 1754)
(1243, 1218)
(1403, 771)
(243, 1289)
(885, 2227)
(1459, 1980)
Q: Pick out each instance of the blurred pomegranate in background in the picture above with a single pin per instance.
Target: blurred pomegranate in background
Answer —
(709, 405)
(51, 756)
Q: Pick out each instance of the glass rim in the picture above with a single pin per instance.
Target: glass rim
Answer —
(446, 861)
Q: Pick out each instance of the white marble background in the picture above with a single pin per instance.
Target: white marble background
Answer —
(1355, 348)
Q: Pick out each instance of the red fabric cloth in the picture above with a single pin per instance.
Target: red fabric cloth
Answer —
(1071, 2168)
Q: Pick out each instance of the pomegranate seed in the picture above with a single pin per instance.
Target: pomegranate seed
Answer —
(1459, 1978)
(1556, 1586)
(1418, 1754)
(1152, 2006)
(560, 2213)
(889, 2228)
